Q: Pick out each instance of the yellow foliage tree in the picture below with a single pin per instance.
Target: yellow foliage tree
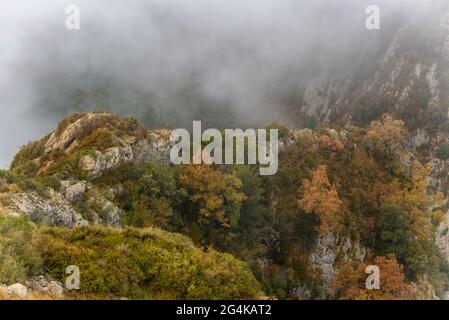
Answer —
(419, 204)
(320, 197)
(328, 143)
(387, 134)
(214, 195)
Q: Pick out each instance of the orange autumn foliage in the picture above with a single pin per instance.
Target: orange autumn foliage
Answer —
(350, 281)
(328, 143)
(320, 197)
(387, 134)
(419, 204)
(215, 195)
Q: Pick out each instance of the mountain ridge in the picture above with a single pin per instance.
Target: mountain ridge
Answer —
(111, 171)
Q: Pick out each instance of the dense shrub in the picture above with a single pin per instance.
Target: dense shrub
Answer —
(18, 255)
(442, 151)
(145, 263)
(23, 183)
(22, 162)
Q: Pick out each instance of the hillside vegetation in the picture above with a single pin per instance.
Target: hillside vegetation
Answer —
(142, 264)
(341, 200)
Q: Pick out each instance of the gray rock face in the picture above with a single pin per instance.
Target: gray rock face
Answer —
(109, 214)
(55, 211)
(159, 146)
(442, 238)
(323, 258)
(402, 69)
(140, 146)
(328, 248)
(75, 192)
(100, 209)
(112, 158)
(106, 212)
(94, 165)
(141, 152)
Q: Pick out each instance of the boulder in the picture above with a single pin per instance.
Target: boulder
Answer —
(75, 192)
(48, 287)
(14, 291)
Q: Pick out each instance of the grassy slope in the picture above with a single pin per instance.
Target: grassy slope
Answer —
(132, 263)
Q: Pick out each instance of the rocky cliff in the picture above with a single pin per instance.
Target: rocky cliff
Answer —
(82, 148)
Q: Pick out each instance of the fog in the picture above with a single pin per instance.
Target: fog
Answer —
(233, 52)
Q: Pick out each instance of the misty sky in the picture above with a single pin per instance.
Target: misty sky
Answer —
(234, 49)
